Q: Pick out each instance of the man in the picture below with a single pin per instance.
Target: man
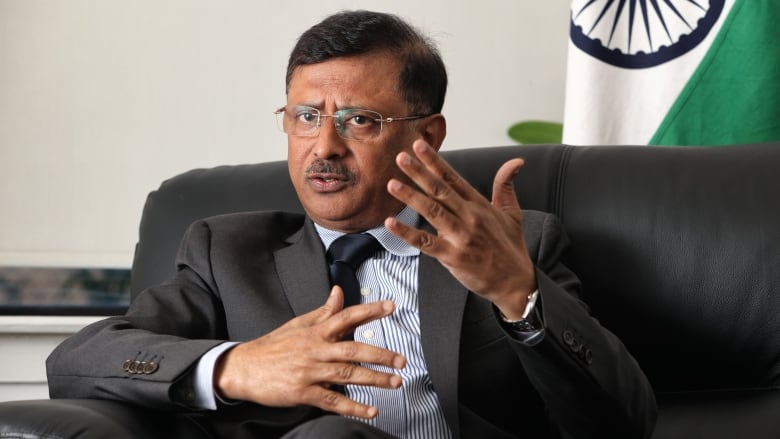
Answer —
(457, 332)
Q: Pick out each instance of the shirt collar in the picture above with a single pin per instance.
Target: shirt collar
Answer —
(390, 242)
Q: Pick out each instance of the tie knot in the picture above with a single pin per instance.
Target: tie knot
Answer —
(354, 248)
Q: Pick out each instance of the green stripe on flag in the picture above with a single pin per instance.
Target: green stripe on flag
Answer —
(733, 96)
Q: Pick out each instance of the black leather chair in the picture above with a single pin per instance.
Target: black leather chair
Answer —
(678, 250)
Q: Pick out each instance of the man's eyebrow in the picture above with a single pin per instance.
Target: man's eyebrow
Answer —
(308, 104)
(350, 106)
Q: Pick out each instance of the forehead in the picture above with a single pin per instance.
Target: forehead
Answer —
(367, 81)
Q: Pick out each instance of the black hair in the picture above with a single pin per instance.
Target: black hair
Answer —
(423, 79)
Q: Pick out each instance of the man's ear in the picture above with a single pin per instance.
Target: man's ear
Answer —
(434, 129)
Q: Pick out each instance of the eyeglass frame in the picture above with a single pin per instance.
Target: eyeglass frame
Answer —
(338, 121)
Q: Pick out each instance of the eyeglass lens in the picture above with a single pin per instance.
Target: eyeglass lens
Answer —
(352, 124)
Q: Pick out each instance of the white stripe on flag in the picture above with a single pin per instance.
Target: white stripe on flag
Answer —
(609, 105)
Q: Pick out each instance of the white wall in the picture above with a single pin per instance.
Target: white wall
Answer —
(100, 100)
(25, 342)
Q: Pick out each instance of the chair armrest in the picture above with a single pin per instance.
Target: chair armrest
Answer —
(92, 419)
(719, 414)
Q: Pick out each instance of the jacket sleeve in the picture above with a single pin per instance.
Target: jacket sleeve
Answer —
(139, 357)
(590, 383)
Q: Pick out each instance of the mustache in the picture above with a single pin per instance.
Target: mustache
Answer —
(322, 166)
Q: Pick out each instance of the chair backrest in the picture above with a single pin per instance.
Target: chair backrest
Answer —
(678, 248)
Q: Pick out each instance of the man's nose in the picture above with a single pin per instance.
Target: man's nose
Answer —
(329, 143)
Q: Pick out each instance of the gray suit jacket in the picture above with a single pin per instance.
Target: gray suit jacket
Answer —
(242, 275)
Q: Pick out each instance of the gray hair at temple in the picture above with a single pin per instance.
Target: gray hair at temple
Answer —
(423, 80)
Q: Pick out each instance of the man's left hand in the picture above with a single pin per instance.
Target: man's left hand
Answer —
(479, 241)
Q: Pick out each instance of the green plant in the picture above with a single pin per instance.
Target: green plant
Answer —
(536, 131)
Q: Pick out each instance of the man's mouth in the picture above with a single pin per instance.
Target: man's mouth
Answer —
(328, 176)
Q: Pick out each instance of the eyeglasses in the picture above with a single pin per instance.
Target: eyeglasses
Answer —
(353, 124)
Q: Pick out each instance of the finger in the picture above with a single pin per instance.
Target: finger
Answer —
(338, 403)
(434, 175)
(504, 195)
(335, 302)
(426, 242)
(356, 352)
(356, 374)
(347, 319)
(440, 217)
(332, 305)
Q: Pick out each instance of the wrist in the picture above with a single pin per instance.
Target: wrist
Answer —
(222, 381)
(526, 310)
(529, 328)
(515, 306)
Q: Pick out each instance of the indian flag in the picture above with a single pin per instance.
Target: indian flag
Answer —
(673, 72)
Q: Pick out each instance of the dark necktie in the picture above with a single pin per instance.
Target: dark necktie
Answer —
(345, 255)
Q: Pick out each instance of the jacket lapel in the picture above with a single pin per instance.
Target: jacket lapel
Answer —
(442, 303)
(302, 270)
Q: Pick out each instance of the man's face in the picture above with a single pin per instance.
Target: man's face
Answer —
(342, 183)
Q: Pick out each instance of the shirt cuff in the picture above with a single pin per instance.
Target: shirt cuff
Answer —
(205, 397)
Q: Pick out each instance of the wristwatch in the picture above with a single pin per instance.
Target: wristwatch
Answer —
(531, 320)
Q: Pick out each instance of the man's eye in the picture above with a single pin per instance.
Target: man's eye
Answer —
(307, 117)
(360, 120)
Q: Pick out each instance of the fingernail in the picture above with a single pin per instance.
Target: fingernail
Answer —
(394, 185)
(399, 362)
(395, 381)
(388, 306)
(371, 412)
(404, 159)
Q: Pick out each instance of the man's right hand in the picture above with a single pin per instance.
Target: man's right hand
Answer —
(297, 363)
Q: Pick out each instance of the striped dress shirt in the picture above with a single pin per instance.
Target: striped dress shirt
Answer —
(413, 411)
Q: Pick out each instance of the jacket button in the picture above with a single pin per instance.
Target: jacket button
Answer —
(568, 337)
(126, 365)
(587, 356)
(150, 368)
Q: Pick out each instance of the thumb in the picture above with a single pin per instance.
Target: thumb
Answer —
(504, 196)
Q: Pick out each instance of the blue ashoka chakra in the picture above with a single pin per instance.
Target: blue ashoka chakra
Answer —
(637, 34)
